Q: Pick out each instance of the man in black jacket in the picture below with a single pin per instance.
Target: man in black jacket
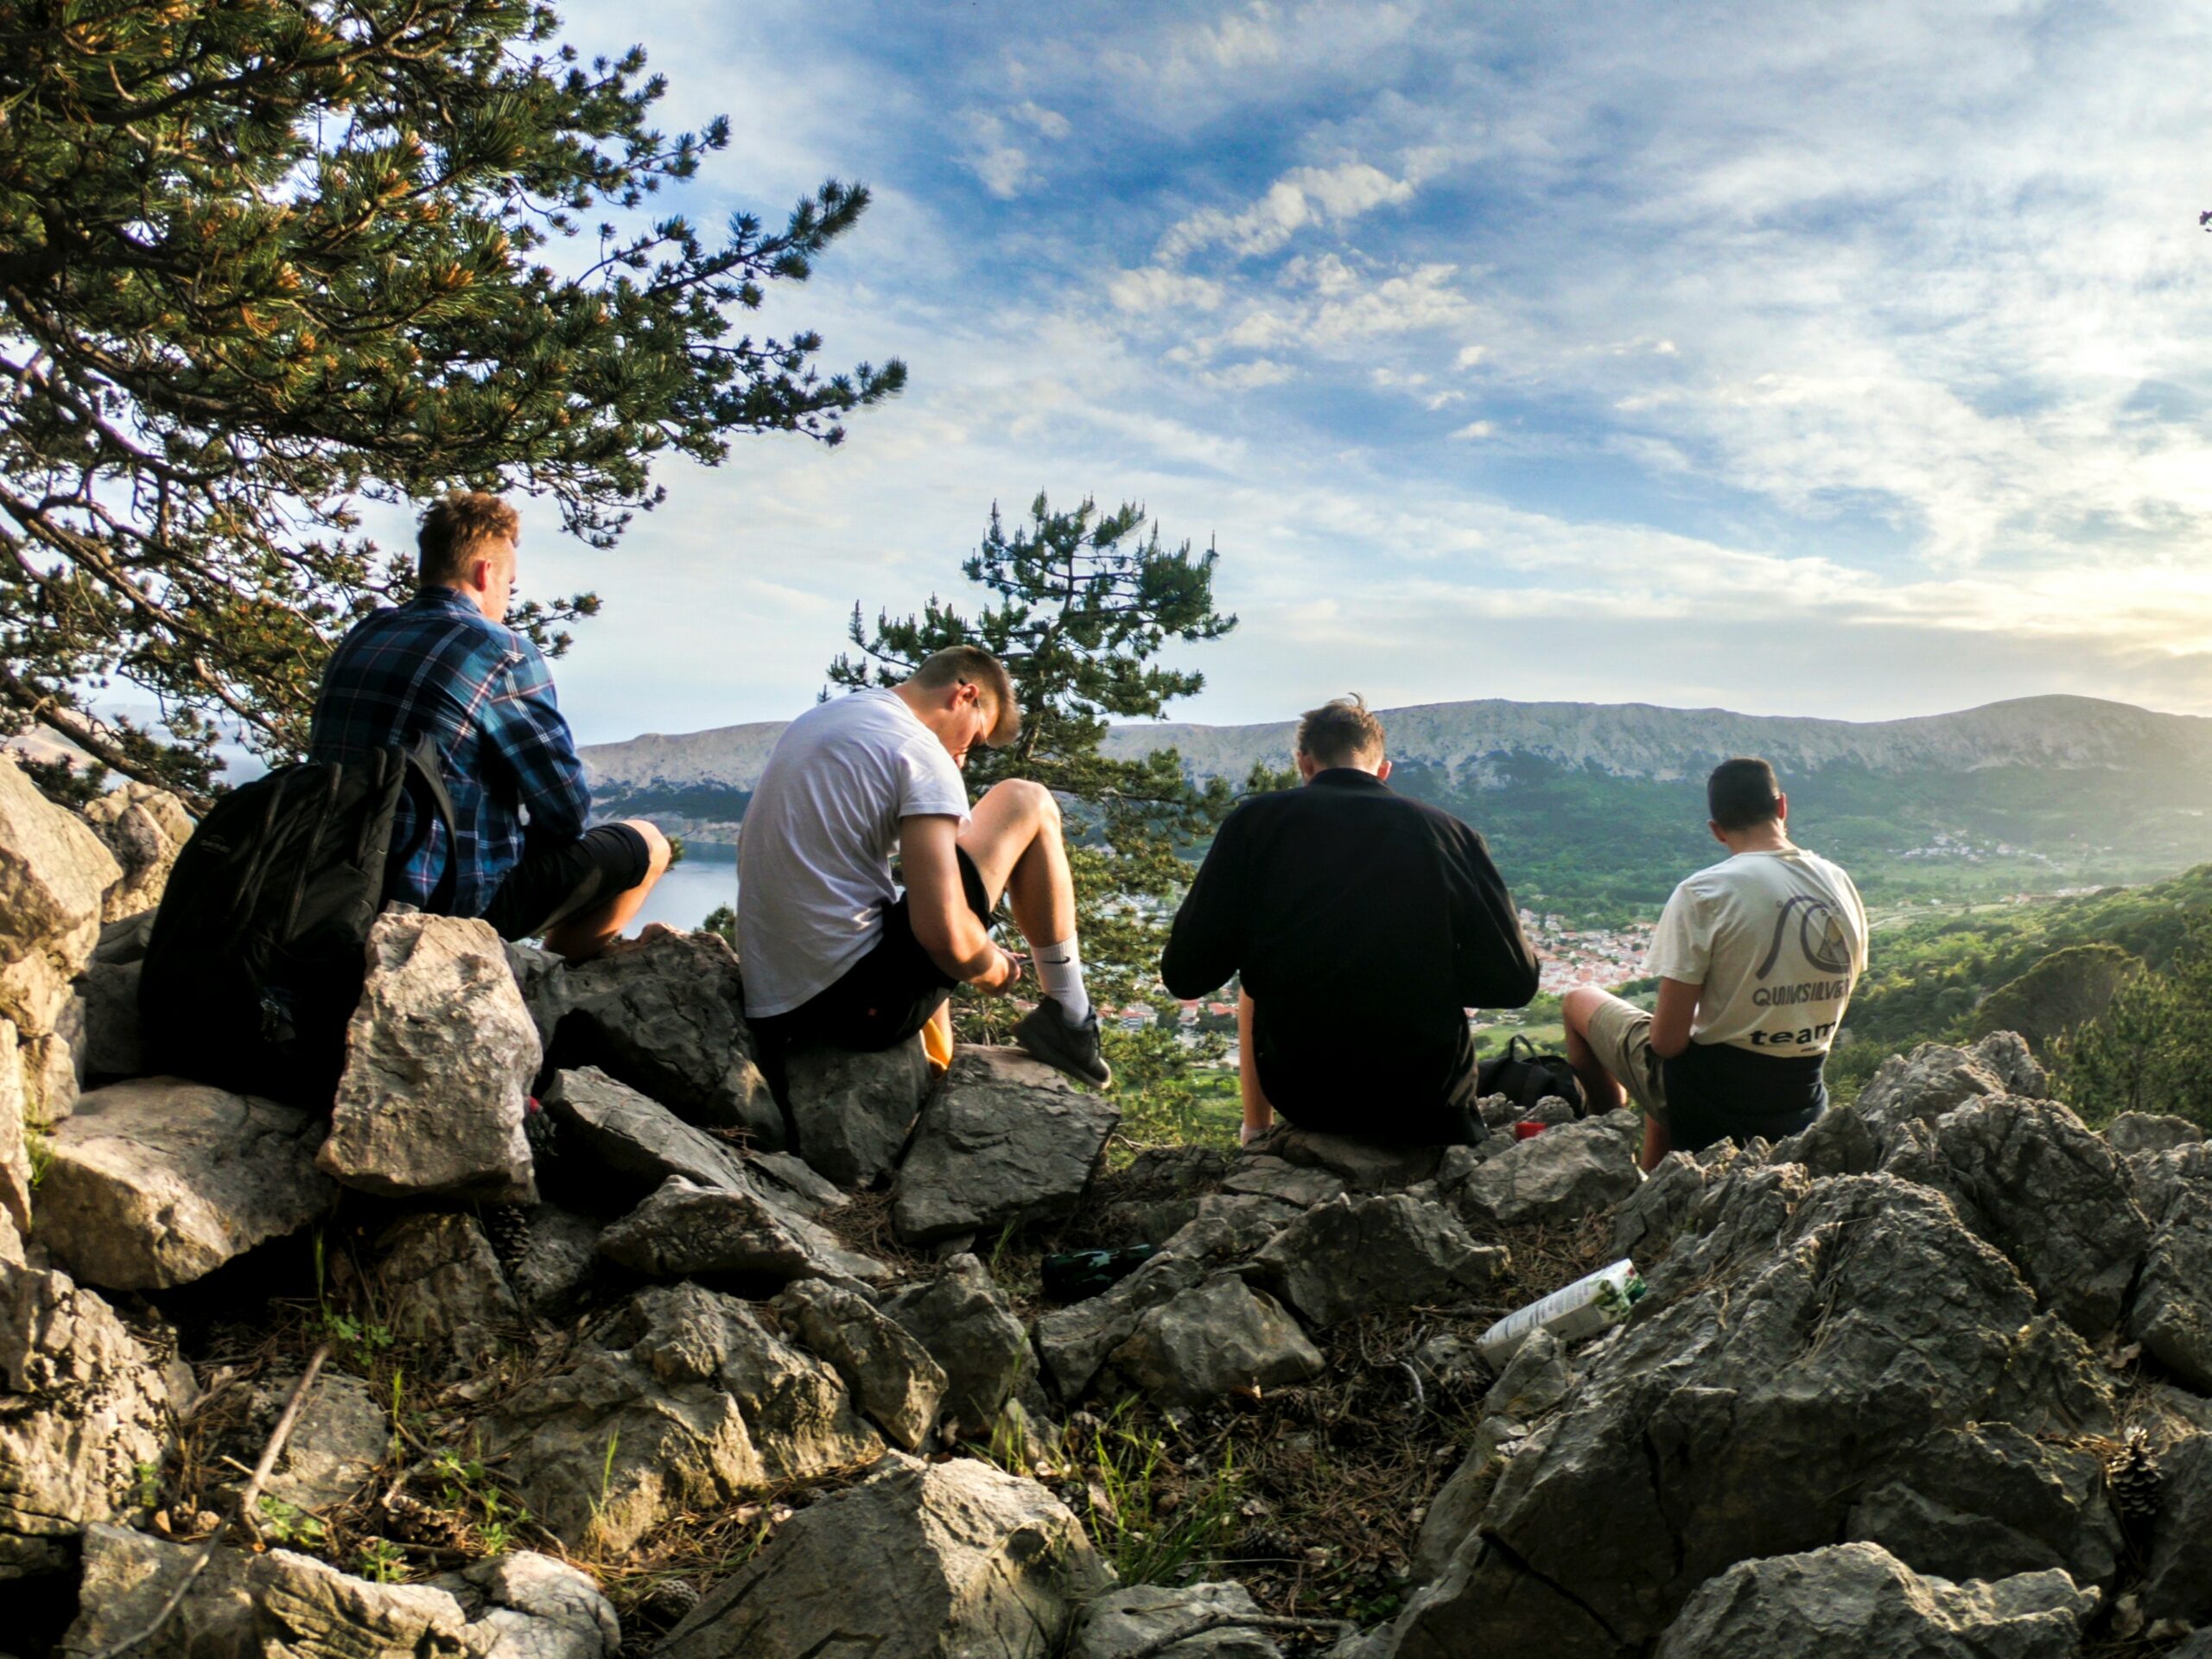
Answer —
(1364, 925)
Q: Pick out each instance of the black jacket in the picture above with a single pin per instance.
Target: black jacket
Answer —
(1363, 923)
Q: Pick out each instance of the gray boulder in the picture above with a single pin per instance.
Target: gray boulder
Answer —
(1221, 1337)
(16, 1120)
(852, 1111)
(889, 1374)
(158, 1182)
(1648, 1222)
(678, 1400)
(2179, 1582)
(128, 1576)
(1859, 1599)
(785, 1182)
(1458, 1505)
(444, 1290)
(1840, 1141)
(1006, 1139)
(1533, 1382)
(53, 874)
(1123, 1621)
(559, 1262)
(144, 828)
(917, 1561)
(516, 1606)
(1390, 1250)
(439, 1058)
(684, 1228)
(666, 1014)
(1284, 1182)
(634, 1140)
(963, 1319)
(1362, 1166)
(2031, 1179)
(1986, 1501)
(83, 1406)
(2169, 1316)
(1936, 1078)
(342, 1436)
(111, 1046)
(2133, 1132)
(1798, 1353)
(1564, 1173)
(1073, 1342)
(1156, 1194)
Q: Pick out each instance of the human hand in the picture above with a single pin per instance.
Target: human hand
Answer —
(1004, 978)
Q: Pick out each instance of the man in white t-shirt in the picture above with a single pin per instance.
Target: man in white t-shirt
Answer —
(1756, 958)
(833, 953)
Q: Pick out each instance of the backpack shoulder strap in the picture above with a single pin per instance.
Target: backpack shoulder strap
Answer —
(420, 760)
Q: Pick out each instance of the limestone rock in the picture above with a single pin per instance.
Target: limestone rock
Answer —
(540, 1609)
(1283, 1181)
(1389, 1250)
(1858, 1599)
(665, 1015)
(111, 1045)
(1221, 1337)
(1362, 1165)
(82, 1406)
(563, 1255)
(2133, 1132)
(964, 1321)
(158, 1182)
(1006, 1139)
(1936, 1078)
(128, 1576)
(678, 1400)
(2170, 1316)
(685, 1229)
(443, 1289)
(342, 1437)
(1563, 1173)
(788, 1184)
(2031, 1179)
(632, 1143)
(1456, 1507)
(852, 1111)
(2179, 1583)
(1840, 1141)
(439, 1058)
(1795, 1354)
(889, 1374)
(1073, 1342)
(144, 828)
(1123, 1621)
(516, 1606)
(53, 874)
(17, 1128)
(1534, 1381)
(918, 1561)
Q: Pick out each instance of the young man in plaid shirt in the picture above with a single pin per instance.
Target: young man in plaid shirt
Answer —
(445, 664)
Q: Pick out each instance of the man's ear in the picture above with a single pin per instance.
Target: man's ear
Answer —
(1383, 772)
(1306, 767)
(1718, 834)
(1781, 809)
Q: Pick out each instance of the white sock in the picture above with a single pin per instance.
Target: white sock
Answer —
(1059, 975)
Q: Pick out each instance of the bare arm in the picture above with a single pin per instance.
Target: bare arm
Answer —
(1671, 1019)
(944, 925)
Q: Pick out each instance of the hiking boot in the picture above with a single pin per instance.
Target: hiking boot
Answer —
(1045, 1034)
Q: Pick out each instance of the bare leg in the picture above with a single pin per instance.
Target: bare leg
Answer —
(581, 936)
(1657, 1143)
(1599, 1087)
(1258, 1111)
(1014, 837)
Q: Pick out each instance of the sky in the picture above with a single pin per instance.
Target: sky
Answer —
(1818, 359)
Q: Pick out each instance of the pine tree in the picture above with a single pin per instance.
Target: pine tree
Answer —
(264, 260)
(1082, 604)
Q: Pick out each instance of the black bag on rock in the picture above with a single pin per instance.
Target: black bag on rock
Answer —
(257, 954)
(1525, 1077)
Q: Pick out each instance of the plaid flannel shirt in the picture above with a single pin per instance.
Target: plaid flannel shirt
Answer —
(438, 664)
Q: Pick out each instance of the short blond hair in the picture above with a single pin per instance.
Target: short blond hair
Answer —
(973, 665)
(1340, 733)
(453, 528)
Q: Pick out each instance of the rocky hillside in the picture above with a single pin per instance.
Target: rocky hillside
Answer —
(546, 1341)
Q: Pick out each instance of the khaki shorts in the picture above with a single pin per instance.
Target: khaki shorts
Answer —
(1620, 1036)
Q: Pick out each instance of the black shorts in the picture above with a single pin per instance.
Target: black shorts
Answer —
(554, 884)
(888, 994)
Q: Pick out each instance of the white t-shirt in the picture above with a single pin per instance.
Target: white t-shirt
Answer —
(814, 859)
(1777, 939)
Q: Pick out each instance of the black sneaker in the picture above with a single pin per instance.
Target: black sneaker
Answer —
(1045, 1033)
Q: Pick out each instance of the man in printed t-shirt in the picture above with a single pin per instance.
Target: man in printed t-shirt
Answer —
(1756, 958)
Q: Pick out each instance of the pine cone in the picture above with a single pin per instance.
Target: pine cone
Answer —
(507, 1226)
(413, 1521)
(666, 1603)
(544, 1137)
(2135, 1480)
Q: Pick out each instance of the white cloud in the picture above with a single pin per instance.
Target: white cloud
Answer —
(1304, 196)
(1152, 288)
(1469, 357)
(1047, 122)
(1476, 429)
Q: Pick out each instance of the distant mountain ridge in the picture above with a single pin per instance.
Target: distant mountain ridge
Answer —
(1635, 741)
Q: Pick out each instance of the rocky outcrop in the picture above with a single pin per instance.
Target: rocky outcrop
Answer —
(144, 828)
(852, 1111)
(1006, 1139)
(2179, 1580)
(889, 1374)
(1862, 1600)
(158, 1182)
(2170, 1316)
(1935, 1078)
(918, 1561)
(514, 1604)
(1221, 1337)
(965, 1323)
(1390, 1250)
(444, 1290)
(685, 1229)
(632, 1143)
(439, 1058)
(83, 1407)
(666, 1014)
(1130, 1620)
(1567, 1172)
(54, 876)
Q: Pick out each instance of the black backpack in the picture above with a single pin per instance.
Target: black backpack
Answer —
(258, 953)
(1525, 1076)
